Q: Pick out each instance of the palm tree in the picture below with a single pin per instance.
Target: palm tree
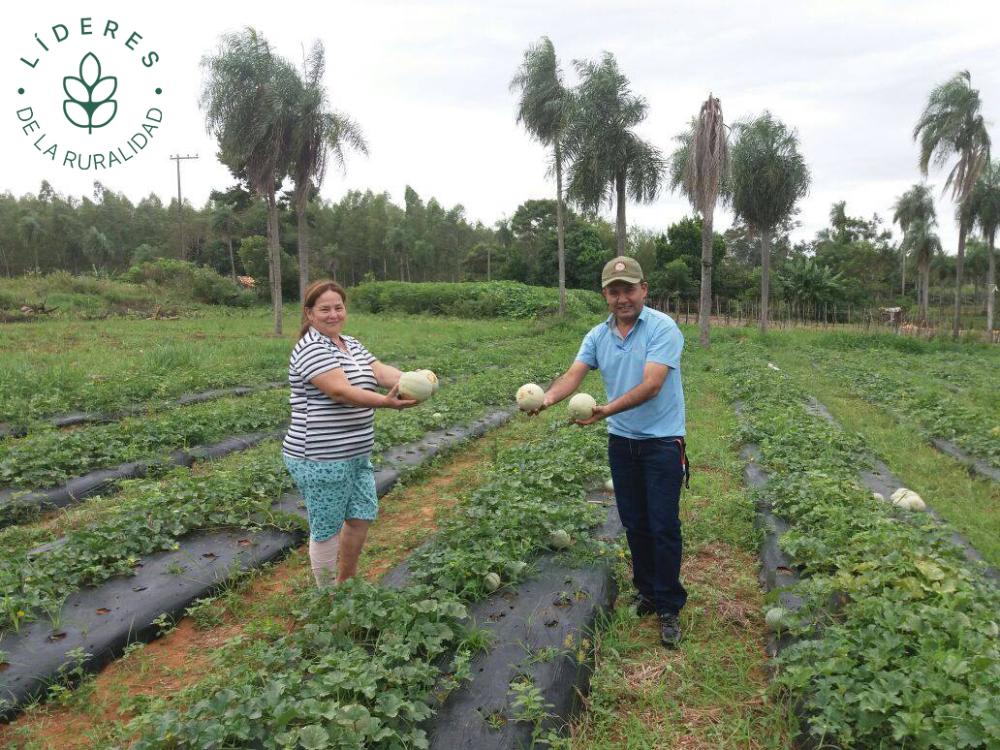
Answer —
(807, 283)
(542, 108)
(769, 176)
(952, 125)
(226, 223)
(319, 132)
(249, 98)
(608, 160)
(983, 205)
(922, 242)
(700, 168)
(916, 204)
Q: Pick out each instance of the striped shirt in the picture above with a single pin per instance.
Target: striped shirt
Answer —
(323, 429)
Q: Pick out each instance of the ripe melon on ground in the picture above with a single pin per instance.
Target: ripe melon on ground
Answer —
(907, 499)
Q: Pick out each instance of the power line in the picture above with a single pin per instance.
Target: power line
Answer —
(180, 203)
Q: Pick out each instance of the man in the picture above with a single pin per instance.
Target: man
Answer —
(638, 351)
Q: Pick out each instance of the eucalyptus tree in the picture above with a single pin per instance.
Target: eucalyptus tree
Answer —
(30, 230)
(915, 205)
(700, 168)
(983, 206)
(250, 100)
(542, 108)
(226, 223)
(608, 160)
(769, 176)
(319, 132)
(952, 125)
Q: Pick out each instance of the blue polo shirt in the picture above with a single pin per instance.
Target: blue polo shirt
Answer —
(655, 337)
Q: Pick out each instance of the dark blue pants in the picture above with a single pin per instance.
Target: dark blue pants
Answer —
(647, 475)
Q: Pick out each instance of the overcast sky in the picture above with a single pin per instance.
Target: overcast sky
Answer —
(428, 83)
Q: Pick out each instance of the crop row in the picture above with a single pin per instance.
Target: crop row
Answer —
(360, 665)
(944, 403)
(93, 369)
(150, 515)
(897, 639)
(48, 457)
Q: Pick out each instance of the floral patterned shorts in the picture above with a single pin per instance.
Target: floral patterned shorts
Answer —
(334, 491)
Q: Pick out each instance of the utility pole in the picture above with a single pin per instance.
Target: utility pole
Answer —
(180, 204)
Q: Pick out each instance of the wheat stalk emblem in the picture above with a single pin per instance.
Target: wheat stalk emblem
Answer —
(90, 104)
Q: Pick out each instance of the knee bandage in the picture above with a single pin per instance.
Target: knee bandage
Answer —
(323, 559)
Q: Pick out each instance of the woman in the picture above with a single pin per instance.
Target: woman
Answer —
(334, 382)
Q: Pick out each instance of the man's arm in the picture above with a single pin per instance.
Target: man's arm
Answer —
(565, 384)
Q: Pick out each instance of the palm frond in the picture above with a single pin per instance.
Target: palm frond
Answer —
(951, 125)
(769, 174)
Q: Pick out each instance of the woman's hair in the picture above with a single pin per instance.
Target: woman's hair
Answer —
(313, 292)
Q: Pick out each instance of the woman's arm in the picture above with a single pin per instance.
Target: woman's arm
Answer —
(334, 383)
(386, 375)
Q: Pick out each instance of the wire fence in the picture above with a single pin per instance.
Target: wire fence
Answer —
(786, 315)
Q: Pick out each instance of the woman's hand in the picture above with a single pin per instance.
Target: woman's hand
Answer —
(393, 401)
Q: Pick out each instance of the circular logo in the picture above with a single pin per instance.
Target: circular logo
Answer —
(619, 266)
(88, 93)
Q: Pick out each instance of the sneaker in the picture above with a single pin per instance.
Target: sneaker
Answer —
(670, 630)
(643, 606)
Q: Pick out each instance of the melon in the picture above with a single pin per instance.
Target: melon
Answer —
(491, 581)
(429, 374)
(516, 567)
(774, 618)
(908, 500)
(416, 386)
(581, 406)
(559, 539)
(530, 397)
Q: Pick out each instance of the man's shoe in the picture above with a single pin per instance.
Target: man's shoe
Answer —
(670, 630)
(643, 607)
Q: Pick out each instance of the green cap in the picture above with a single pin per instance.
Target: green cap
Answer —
(621, 268)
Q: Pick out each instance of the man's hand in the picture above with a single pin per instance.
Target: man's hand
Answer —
(393, 401)
(546, 403)
(596, 416)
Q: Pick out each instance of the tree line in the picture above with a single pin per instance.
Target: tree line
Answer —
(365, 235)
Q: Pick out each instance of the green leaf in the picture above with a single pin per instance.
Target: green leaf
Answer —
(314, 737)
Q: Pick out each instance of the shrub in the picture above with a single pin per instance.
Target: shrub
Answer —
(495, 299)
(201, 283)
